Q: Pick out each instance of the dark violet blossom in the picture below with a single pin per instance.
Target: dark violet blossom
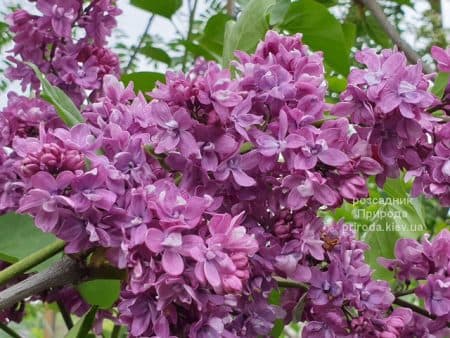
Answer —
(89, 191)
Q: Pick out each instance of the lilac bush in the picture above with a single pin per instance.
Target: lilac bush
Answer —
(208, 194)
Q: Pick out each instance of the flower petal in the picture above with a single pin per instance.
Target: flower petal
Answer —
(172, 263)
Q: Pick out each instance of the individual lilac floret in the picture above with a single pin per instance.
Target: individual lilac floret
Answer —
(61, 13)
(436, 293)
(46, 201)
(433, 177)
(89, 191)
(223, 261)
(410, 262)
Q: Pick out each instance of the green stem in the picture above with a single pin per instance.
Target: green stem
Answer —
(404, 293)
(287, 283)
(31, 261)
(116, 331)
(9, 331)
(415, 308)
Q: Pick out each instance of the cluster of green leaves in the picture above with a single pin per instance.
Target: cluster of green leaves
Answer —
(5, 38)
(334, 27)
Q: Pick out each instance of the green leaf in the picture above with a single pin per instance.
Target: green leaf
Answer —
(19, 238)
(83, 326)
(248, 30)
(399, 216)
(199, 50)
(143, 81)
(156, 54)
(328, 3)
(336, 84)
(214, 33)
(376, 32)
(278, 11)
(381, 244)
(440, 83)
(100, 292)
(404, 2)
(275, 299)
(321, 31)
(278, 328)
(408, 212)
(65, 107)
(165, 8)
(349, 30)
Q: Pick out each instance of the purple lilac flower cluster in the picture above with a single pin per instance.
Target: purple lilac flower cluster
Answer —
(427, 261)
(442, 58)
(432, 177)
(203, 193)
(343, 298)
(211, 189)
(386, 102)
(20, 118)
(66, 41)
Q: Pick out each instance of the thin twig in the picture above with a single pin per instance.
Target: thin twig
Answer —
(65, 315)
(192, 10)
(9, 331)
(139, 45)
(378, 13)
(64, 272)
(177, 30)
(413, 307)
(230, 7)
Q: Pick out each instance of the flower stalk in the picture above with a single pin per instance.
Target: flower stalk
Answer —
(31, 261)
